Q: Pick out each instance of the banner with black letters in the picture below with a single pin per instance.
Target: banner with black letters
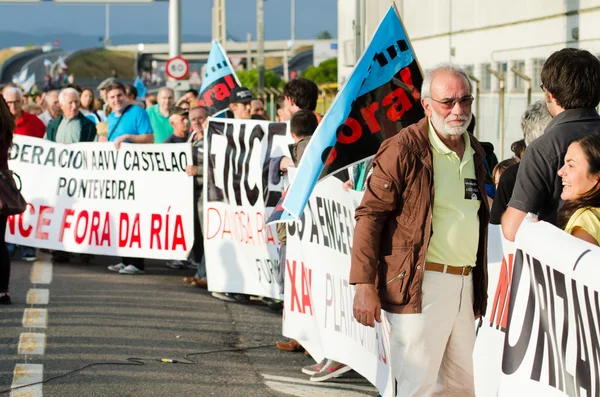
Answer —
(241, 251)
(91, 198)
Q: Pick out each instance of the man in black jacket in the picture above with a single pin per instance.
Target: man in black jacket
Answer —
(72, 126)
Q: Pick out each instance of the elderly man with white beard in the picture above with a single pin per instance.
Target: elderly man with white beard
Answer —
(419, 247)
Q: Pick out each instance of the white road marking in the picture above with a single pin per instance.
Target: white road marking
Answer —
(41, 272)
(38, 296)
(26, 374)
(30, 343)
(35, 318)
(306, 388)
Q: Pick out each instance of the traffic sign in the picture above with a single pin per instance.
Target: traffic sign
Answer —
(177, 68)
(195, 78)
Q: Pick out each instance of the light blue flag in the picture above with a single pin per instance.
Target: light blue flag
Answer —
(141, 89)
(381, 96)
(218, 81)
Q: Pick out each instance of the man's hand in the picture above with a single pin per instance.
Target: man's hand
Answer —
(348, 185)
(191, 170)
(120, 140)
(285, 163)
(102, 138)
(367, 307)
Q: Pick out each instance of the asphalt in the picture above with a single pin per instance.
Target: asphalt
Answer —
(95, 316)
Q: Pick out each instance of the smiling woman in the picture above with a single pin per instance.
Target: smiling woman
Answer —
(580, 215)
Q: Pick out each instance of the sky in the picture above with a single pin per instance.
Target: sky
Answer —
(312, 17)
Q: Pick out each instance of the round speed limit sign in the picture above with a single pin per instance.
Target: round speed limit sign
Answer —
(177, 68)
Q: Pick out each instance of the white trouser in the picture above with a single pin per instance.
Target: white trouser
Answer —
(432, 352)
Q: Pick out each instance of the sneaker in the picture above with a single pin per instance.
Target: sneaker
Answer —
(315, 368)
(130, 269)
(28, 255)
(240, 297)
(117, 268)
(331, 369)
(223, 296)
(176, 264)
(191, 265)
(199, 283)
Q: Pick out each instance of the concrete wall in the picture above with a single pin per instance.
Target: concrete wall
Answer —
(479, 33)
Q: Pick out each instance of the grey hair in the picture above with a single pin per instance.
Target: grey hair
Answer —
(13, 90)
(166, 89)
(534, 121)
(64, 92)
(443, 67)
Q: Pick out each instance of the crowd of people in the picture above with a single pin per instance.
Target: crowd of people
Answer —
(430, 193)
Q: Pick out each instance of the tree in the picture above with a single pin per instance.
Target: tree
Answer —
(249, 79)
(324, 35)
(326, 72)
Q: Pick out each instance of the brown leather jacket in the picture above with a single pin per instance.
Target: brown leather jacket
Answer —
(393, 222)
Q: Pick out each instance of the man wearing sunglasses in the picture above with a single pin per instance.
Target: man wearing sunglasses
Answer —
(419, 247)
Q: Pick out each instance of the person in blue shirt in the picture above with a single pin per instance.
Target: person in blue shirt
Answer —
(126, 123)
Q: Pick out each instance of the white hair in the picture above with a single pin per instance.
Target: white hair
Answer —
(443, 67)
(534, 121)
(66, 91)
(12, 90)
(163, 89)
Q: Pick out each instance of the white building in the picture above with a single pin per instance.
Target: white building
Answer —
(477, 34)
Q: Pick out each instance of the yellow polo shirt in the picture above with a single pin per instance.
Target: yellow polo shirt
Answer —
(455, 222)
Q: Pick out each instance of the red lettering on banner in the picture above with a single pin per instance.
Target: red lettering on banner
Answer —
(179, 235)
(106, 231)
(225, 229)
(43, 221)
(123, 218)
(355, 131)
(368, 114)
(65, 224)
(250, 237)
(303, 302)
(260, 225)
(401, 104)
(407, 78)
(25, 231)
(211, 210)
(82, 215)
(135, 232)
(229, 81)
(155, 226)
(270, 238)
(94, 227)
(499, 315)
(221, 92)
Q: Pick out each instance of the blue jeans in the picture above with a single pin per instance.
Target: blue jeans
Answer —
(25, 251)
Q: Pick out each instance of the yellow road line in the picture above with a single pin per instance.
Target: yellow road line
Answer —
(35, 318)
(30, 343)
(41, 272)
(38, 296)
(26, 374)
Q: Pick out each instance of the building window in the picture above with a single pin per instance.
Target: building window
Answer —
(486, 78)
(502, 68)
(519, 83)
(536, 79)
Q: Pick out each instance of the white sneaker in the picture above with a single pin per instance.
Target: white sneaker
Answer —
(176, 264)
(223, 296)
(130, 269)
(117, 268)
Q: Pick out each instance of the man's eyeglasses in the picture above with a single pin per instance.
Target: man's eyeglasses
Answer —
(13, 102)
(448, 103)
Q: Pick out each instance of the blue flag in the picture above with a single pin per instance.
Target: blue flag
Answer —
(218, 81)
(141, 89)
(380, 98)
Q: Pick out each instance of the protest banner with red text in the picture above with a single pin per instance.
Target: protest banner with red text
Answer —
(91, 198)
(241, 252)
(318, 297)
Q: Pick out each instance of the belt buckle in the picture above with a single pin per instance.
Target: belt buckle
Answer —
(463, 270)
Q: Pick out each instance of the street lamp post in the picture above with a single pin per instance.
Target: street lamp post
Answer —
(260, 38)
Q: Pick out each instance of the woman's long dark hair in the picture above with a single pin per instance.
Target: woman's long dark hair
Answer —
(7, 126)
(590, 145)
(91, 105)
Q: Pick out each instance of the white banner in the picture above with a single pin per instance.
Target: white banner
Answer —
(241, 252)
(318, 296)
(552, 344)
(90, 198)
